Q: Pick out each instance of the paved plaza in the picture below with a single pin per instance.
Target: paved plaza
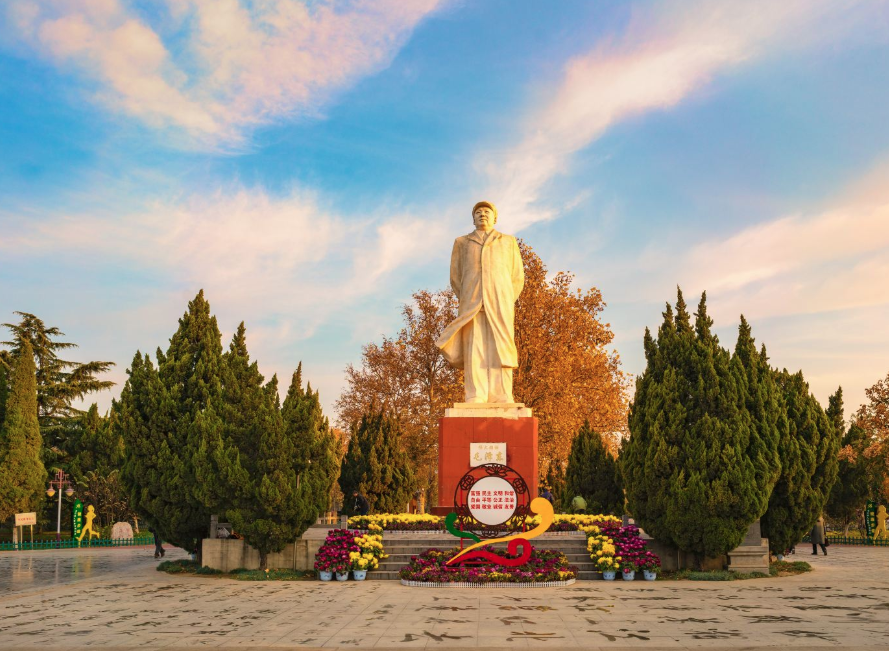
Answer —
(116, 598)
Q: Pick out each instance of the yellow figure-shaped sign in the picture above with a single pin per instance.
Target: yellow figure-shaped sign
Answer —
(881, 522)
(90, 516)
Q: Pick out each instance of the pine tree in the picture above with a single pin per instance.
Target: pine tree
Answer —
(59, 382)
(376, 466)
(808, 449)
(167, 416)
(593, 474)
(693, 464)
(22, 474)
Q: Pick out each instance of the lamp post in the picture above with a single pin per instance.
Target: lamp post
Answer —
(61, 480)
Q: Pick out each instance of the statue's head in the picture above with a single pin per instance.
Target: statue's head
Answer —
(881, 510)
(484, 216)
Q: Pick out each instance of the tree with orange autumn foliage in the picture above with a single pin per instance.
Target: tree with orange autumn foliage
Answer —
(408, 377)
(873, 418)
(566, 374)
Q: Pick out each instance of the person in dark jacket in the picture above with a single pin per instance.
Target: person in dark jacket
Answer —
(818, 537)
(158, 544)
(361, 506)
(547, 495)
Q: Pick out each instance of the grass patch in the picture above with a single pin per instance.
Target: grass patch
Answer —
(788, 568)
(240, 574)
(776, 569)
(179, 567)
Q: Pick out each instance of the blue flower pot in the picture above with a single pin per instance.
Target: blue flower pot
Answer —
(344, 576)
(325, 576)
(629, 576)
(650, 576)
(359, 575)
(608, 576)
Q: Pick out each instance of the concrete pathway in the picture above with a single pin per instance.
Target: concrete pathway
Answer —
(114, 598)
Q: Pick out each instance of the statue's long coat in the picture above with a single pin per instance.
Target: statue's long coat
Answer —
(485, 272)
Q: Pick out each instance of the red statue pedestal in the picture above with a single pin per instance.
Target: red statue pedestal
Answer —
(465, 424)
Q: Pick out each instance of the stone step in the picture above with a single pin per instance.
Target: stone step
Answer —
(382, 575)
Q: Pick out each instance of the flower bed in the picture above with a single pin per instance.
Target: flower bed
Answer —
(424, 522)
(613, 547)
(397, 522)
(545, 567)
(345, 550)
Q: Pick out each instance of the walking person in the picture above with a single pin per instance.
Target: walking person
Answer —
(158, 544)
(818, 537)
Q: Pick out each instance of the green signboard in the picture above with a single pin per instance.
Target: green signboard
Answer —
(870, 518)
(76, 519)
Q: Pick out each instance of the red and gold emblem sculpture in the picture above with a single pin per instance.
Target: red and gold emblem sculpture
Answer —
(492, 504)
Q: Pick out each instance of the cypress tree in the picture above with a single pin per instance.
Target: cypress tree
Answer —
(4, 392)
(167, 417)
(593, 474)
(808, 449)
(376, 465)
(693, 464)
(851, 489)
(22, 474)
(555, 481)
(256, 457)
(95, 444)
(316, 461)
(275, 466)
(763, 402)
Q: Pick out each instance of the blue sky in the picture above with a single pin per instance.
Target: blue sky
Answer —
(309, 163)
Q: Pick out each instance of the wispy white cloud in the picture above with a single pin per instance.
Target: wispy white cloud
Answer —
(288, 265)
(267, 255)
(211, 68)
(665, 56)
(833, 259)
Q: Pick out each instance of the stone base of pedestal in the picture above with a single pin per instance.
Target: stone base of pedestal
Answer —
(455, 433)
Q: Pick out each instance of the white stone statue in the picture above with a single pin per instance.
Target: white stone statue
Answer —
(487, 275)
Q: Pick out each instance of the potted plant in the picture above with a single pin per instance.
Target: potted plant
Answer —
(334, 555)
(608, 566)
(322, 566)
(359, 568)
(650, 564)
(629, 570)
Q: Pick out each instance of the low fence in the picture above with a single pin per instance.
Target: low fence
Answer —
(72, 543)
(852, 540)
